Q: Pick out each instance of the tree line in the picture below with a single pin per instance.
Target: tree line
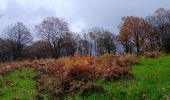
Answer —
(137, 35)
(54, 40)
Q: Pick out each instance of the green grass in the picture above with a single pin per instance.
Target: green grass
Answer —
(18, 85)
(151, 82)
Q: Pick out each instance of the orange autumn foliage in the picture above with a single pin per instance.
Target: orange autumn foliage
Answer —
(65, 75)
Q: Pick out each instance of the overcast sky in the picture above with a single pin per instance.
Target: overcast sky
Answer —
(80, 14)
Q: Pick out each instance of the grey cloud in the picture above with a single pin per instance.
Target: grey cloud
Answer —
(78, 13)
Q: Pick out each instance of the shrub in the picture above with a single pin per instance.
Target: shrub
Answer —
(12, 66)
(152, 54)
(115, 72)
(79, 68)
(90, 88)
(80, 74)
(60, 87)
(127, 60)
(63, 76)
(72, 75)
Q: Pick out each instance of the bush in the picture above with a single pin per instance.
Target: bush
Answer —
(64, 76)
(80, 74)
(12, 66)
(61, 87)
(152, 54)
(127, 60)
(90, 88)
(72, 75)
(115, 72)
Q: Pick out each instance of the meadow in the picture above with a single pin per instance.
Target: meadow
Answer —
(107, 77)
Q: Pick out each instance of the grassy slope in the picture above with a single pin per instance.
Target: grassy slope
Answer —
(18, 85)
(151, 81)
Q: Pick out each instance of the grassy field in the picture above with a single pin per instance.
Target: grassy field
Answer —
(18, 85)
(151, 81)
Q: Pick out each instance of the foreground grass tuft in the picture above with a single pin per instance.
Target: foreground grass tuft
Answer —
(18, 85)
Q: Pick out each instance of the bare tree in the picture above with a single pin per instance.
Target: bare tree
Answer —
(97, 41)
(92, 37)
(40, 49)
(4, 50)
(106, 43)
(83, 47)
(52, 29)
(18, 36)
(69, 44)
(159, 25)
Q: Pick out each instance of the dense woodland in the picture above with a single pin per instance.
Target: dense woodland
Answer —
(54, 39)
